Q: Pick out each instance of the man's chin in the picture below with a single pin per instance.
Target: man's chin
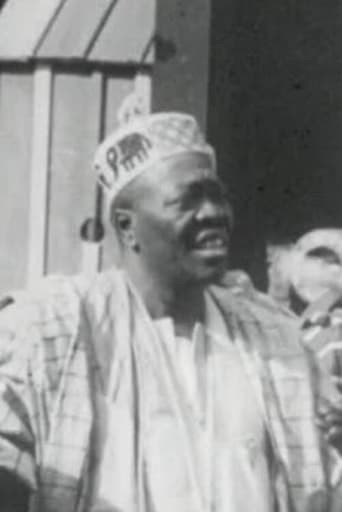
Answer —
(209, 273)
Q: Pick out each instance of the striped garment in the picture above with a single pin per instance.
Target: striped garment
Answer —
(322, 330)
(63, 346)
(322, 336)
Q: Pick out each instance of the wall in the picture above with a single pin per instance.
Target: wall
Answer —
(84, 104)
(16, 89)
(84, 110)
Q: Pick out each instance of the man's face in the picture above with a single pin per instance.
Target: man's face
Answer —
(183, 221)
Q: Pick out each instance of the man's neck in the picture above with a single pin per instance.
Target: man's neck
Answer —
(182, 302)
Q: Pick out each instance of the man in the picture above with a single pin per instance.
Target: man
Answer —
(315, 270)
(316, 279)
(154, 388)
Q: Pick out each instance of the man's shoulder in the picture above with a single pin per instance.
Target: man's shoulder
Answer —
(54, 303)
(54, 292)
(261, 322)
(238, 294)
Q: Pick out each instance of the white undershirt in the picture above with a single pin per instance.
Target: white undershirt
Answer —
(231, 438)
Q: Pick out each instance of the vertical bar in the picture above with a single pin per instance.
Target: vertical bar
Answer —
(91, 255)
(40, 163)
(143, 89)
(91, 246)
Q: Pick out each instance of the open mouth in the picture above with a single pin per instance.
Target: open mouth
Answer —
(211, 242)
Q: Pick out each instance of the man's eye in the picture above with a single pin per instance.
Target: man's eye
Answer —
(189, 200)
(183, 202)
(176, 201)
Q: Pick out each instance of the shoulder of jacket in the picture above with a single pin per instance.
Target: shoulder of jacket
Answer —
(52, 306)
(257, 308)
(239, 290)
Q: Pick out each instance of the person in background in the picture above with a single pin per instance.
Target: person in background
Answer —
(316, 281)
(153, 387)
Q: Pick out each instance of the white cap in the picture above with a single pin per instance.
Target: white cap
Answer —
(143, 142)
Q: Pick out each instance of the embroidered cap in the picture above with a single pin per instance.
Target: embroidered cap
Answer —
(138, 145)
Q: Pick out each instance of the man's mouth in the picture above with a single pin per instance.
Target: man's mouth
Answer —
(211, 242)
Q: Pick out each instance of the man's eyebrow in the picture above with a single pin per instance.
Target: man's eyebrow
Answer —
(192, 187)
(187, 188)
(200, 182)
(208, 184)
(181, 190)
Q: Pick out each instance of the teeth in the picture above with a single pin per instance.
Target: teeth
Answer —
(213, 243)
(210, 239)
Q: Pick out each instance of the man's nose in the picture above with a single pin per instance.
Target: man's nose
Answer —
(209, 208)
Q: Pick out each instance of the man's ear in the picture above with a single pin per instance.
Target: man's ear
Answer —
(124, 222)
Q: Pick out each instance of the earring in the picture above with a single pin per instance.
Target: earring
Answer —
(133, 243)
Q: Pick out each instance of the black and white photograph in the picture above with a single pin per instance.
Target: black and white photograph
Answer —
(170, 256)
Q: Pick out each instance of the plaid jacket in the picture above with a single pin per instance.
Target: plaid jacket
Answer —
(52, 377)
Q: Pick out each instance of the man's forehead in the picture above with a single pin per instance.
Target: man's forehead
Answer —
(172, 176)
(182, 170)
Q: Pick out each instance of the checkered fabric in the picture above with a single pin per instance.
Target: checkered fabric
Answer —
(322, 335)
(63, 346)
(142, 143)
(45, 411)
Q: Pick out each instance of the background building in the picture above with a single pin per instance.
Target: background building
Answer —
(263, 77)
(65, 68)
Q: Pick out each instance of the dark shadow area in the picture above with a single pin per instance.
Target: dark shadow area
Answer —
(275, 117)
